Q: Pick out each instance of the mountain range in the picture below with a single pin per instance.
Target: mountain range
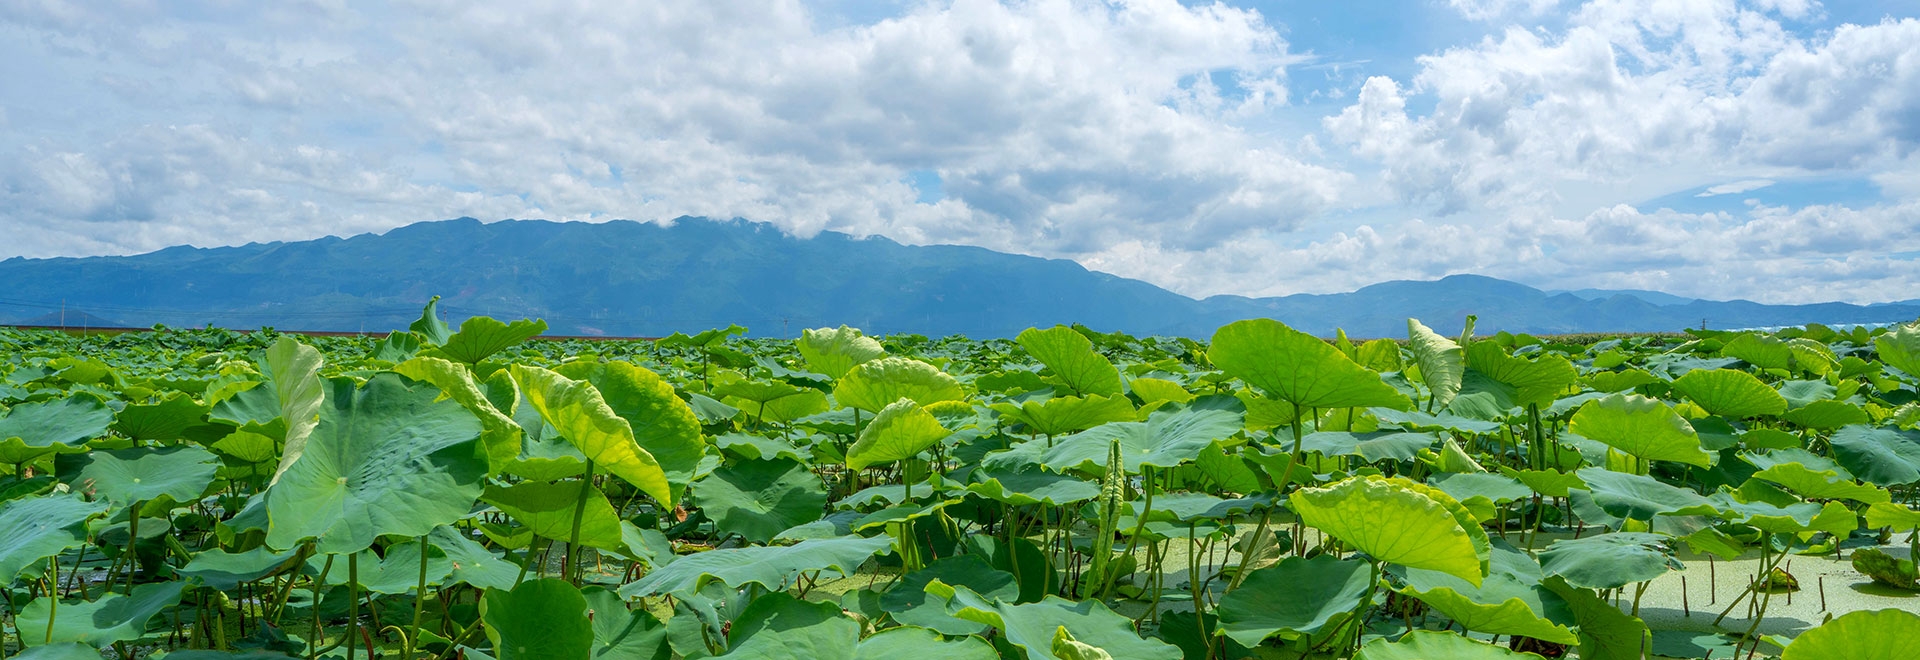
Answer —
(626, 278)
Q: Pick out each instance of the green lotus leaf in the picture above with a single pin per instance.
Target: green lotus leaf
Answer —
(34, 528)
(1551, 483)
(1066, 414)
(1296, 595)
(69, 651)
(620, 633)
(1509, 602)
(1900, 348)
(1768, 439)
(1442, 363)
(1536, 381)
(758, 498)
(292, 371)
(480, 337)
(834, 351)
(1169, 437)
(750, 446)
(663, 425)
(173, 417)
(1619, 381)
(1863, 635)
(248, 447)
(909, 603)
(1888, 514)
(224, 571)
(1606, 633)
(1610, 561)
(538, 620)
(1729, 393)
(65, 424)
(548, 509)
(1032, 486)
(397, 347)
(1827, 414)
(100, 623)
(900, 431)
(1763, 351)
(914, 642)
(1642, 427)
(1886, 569)
(1066, 647)
(398, 572)
(779, 626)
(1481, 492)
(1812, 356)
(1071, 358)
(1793, 517)
(143, 473)
(1033, 626)
(1430, 645)
(1419, 421)
(1371, 447)
(1813, 476)
(579, 412)
(1298, 368)
(502, 438)
(1879, 456)
(1400, 522)
(755, 391)
(874, 385)
(429, 326)
(1151, 390)
(801, 403)
(1642, 497)
(772, 567)
(706, 338)
(387, 458)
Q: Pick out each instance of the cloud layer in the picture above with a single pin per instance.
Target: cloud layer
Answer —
(1177, 143)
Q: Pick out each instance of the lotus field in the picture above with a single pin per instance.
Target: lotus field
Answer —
(1069, 494)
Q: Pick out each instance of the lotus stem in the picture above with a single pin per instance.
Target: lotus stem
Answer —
(419, 600)
(1140, 524)
(133, 538)
(572, 570)
(313, 640)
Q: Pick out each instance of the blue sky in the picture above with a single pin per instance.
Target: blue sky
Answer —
(1759, 149)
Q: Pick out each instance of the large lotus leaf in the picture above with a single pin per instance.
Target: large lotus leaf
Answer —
(758, 498)
(898, 432)
(69, 421)
(1812, 356)
(1551, 483)
(663, 425)
(1169, 437)
(538, 620)
(112, 618)
(1432, 645)
(1442, 363)
(620, 633)
(124, 476)
(877, 384)
(1608, 382)
(397, 347)
(755, 391)
(1900, 348)
(1888, 514)
(1886, 634)
(1299, 368)
(429, 326)
(548, 509)
(913, 642)
(1033, 626)
(1785, 514)
(1764, 351)
(1481, 492)
(1400, 522)
(1509, 602)
(1879, 456)
(1032, 486)
(786, 409)
(1643, 427)
(396, 573)
(36, 527)
(78, 651)
(1827, 414)
(225, 570)
(705, 338)
(292, 369)
(1642, 497)
(472, 563)
(1730, 393)
(1071, 357)
(909, 603)
(1606, 633)
(1886, 569)
(578, 411)
(1151, 390)
(779, 626)
(1066, 414)
(387, 458)
(1295, 595)
(1419, 421)
(503, 436)
(772, 567)
(173, 417)
(834, 351)
(1536, 381)
(1812, 475)
(1610, 561)
(481, 336)
(1371, 447)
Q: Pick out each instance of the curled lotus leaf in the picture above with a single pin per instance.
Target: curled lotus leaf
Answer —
(1399, 521)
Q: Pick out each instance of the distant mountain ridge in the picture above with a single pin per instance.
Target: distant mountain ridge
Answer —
(626, 278)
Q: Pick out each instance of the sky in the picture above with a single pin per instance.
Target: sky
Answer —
(1766, 150)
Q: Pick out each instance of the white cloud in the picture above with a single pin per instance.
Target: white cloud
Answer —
(1735, 188)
